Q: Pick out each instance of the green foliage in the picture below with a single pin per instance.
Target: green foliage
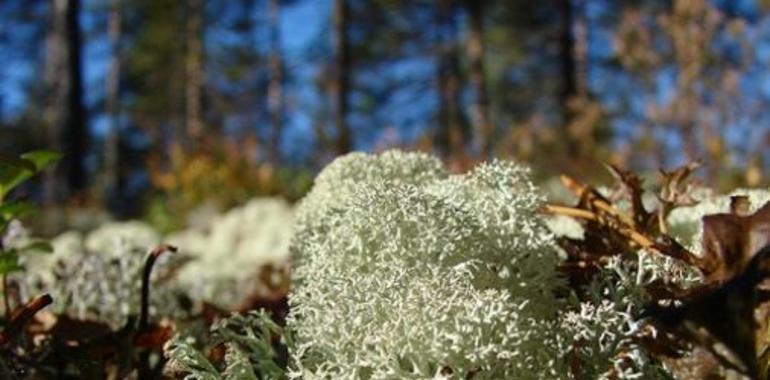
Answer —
(153, 60)
(14, 172)
(250, 353)
(13, 242)
(224, 176)
(250, 336)
(185, 359)
(9, 261)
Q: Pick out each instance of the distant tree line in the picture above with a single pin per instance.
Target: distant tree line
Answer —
(119, 85)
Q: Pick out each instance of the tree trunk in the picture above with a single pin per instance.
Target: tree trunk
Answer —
(475, 48)
(569, 75)
(275, 88)
(452, 133)
(581, 32)
(112, 93)
(193, 123)
(340, 86)
(76, 130)
(65, 114)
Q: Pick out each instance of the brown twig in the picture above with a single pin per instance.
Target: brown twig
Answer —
(625, 230)
(570, 211)
(674, 192)
(667, 247)
(632, 186)
(589, 197)
(21, 317)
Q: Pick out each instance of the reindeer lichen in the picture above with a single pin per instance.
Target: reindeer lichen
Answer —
(405, 271)
(236, 244)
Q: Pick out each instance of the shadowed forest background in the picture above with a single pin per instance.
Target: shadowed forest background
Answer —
(160, 106)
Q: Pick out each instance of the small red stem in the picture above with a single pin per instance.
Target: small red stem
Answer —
(22, 316)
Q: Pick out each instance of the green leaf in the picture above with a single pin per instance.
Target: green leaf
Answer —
(11, 176)
(41, 159)
(14, 171)
(9, 262)
(37, 247)
(14, 210)
(10, 161)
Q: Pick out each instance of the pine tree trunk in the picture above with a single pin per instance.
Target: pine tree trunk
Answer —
(112, 93)
(580, 35)
(275, 88)
(65, 113)
(193, 127)
(452, 133)
(340, 86)
(475, 49)
(569, 77)
(76, 134)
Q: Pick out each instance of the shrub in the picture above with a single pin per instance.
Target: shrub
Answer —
(15, 242)
(223, 173)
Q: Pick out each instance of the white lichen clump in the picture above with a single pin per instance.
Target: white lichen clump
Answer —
(404, 271)
(685, 222)
(562, 225)
(97, 275)
(228, 252)
(602, 328)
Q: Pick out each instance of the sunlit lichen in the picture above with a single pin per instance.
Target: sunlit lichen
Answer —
(229, 250)
(403, 271)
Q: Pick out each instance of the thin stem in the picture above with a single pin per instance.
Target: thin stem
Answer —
(6, 302)
(144, 315)
(6, 298)
(20, 318)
